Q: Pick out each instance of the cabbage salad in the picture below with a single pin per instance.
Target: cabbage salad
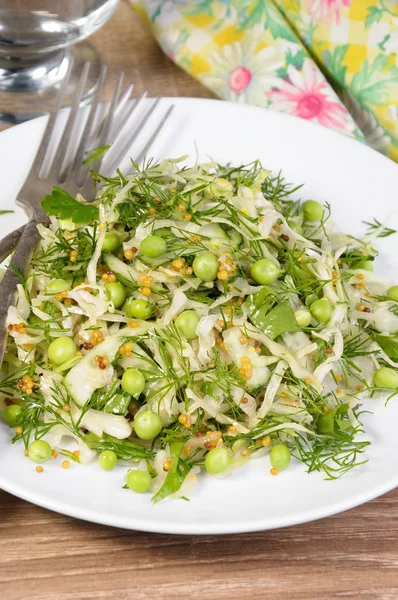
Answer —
(191, 319)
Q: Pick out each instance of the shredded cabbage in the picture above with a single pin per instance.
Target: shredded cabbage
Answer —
(234, 247)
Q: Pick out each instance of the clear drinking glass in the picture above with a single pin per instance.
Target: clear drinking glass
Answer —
(36, 38)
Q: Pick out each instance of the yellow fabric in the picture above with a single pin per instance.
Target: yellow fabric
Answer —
(334, 62)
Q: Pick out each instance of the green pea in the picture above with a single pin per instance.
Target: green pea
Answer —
(280, 457)
(111, 242)
(39, 451)
(303, 317)
(56, 286)
(205, 266)
(139, 309)
(217, 461)
(116, 293)
(153, 246)
(11, 414)
(310, 299)
(366, 265)
(187, 323)
(326, 423)
(312, 210)
(392, 293)
(322, 310)
(133, 382)
(138, 481)
(107, 460)
(264, 271)
(147, 425)
(61, 350)
(386, 378)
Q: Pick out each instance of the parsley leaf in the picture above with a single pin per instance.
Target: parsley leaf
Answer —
(176, 475)
(271, 320)
(60, 203)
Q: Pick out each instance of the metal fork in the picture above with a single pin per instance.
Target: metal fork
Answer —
(121, 116)
(9, 242)
(74, 178)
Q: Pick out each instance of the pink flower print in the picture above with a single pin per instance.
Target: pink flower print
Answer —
(239, 79)
(308, 95)
(327, 10)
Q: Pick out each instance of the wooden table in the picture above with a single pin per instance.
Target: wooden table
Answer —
(45, 556)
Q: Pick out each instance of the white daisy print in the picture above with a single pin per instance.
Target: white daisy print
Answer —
(241, 74)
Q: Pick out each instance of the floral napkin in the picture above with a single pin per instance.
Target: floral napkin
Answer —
(334, 62)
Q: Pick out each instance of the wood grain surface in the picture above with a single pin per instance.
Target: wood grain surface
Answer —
(45, 556)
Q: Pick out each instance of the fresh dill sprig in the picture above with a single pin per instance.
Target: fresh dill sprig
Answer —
(279, 193)
(333, 455)
(124, 449)
(179, 203)
(56, 262)
(378, 229)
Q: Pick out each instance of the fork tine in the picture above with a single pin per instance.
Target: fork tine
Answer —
(111, 111)
(153, 137)
(136, 132)
(123, 100)
(76, 166)
(65, 137)
(130, 111)
(52, 117)
(105, 129)
(92, 140)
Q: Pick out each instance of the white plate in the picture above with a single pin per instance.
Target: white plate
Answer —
(360, 184)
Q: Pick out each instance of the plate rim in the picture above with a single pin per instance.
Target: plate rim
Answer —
(172, 527)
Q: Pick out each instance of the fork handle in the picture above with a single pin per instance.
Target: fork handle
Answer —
(10, 242)
(20, 262)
